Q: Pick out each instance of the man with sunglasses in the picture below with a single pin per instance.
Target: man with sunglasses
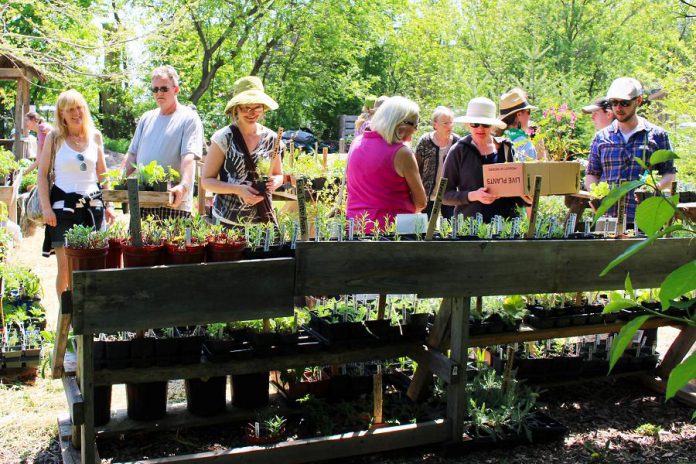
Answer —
(171, 135)
(614, 148)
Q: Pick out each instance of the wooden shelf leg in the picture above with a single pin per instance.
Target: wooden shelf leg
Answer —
(456, 393)
(676, 353)
(435, 340)
(86, 370)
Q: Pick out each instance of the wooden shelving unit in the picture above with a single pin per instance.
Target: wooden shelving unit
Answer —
(131, 299)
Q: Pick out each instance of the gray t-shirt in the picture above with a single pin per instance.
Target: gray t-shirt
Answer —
(167, 138)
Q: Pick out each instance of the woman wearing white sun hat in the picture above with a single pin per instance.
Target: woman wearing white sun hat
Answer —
(464, 164)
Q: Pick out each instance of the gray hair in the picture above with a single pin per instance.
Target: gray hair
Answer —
(166, 72)
(389, 115)
(442, 111)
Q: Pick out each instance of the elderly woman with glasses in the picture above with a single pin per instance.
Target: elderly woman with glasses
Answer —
(382, 175)
(73, 154)
(464, 164)
(431, 150)
(238, 156)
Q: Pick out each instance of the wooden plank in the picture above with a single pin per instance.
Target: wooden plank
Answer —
(686, 395)
(456, 393)
(178, 417)
(75, 400)
(528, 335)
(70, 363)
(677, 351)
(435, 339)
(166, 296)
(440, 365)
(247, 366)
(89, 453)
(11, 73)
(319, 449)
(62, 332)
(69, 454)
(481, 268)
(145, 199)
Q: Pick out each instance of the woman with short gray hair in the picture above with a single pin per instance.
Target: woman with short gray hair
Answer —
(431, 150)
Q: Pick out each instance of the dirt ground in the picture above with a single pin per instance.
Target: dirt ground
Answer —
(602, 417)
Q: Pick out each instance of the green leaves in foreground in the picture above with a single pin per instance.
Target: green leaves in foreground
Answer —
(654, 212)
(680, 376)
(679, 282)
(615, 195)
(660, 156)
(624, 338)
(636, 247)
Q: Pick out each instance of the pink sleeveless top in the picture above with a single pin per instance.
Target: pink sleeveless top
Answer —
(374, 187)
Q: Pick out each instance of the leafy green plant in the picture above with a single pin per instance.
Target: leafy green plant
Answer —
(7, 164)
(599, 190)
(153, 173)
(649, 430)
(85, 237)
(654, 216)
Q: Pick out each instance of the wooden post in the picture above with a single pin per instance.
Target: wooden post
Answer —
(677, 351)
(377, 394)
(22, 88)
(535, 207)
(302, 208)
(436, 209)
(456, 394)
(201, 190)
(316, 148)
(325, 158)
(62, 332)
(342, 145)
(381, 304)
(86, 361)
(134, 205)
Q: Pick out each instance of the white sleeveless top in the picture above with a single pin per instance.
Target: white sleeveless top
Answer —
(69, 177)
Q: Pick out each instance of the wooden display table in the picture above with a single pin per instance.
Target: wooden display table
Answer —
(130, 299)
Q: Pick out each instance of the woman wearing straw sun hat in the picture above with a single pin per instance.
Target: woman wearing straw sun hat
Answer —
(515, 112)
(464, 164)
(235, 150)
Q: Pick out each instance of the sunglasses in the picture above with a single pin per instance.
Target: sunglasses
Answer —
(81, 158)
(411, 123)
(621, 103)
(475, 125)
(163, 89)
(251, 109)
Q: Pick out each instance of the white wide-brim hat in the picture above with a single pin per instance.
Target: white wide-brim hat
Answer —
(481, 110)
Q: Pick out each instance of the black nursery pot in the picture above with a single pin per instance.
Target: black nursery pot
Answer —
(190, 349)
(117, 354)
(167, 351)
(205, 397)
(142, 352)
(250, 391)
(147, 400)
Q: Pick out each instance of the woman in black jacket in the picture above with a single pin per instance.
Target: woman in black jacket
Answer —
(464, 165)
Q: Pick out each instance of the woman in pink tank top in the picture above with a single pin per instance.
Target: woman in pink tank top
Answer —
(382, 174)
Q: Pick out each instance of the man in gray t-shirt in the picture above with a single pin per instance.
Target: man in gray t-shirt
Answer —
(172, 135)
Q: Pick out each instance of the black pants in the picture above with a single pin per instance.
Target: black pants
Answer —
(445, 211)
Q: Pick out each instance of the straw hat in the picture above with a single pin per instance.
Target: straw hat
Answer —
(248, 91)
(513, 101)
(481, 110)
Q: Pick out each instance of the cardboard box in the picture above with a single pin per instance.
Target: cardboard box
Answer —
(517, 179)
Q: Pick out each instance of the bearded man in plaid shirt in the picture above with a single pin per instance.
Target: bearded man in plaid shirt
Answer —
(614, 148)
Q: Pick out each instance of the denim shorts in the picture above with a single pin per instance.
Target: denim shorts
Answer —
(66, 219)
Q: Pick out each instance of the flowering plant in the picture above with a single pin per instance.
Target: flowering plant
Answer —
(559, 134)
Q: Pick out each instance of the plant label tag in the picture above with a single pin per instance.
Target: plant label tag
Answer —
(588, 226)
(267, 240)
(410, 223)
(351, 228)
(187, 236)
(295, 233)
(455, 226)
(317, 229)
(281, 237)
(257, 430)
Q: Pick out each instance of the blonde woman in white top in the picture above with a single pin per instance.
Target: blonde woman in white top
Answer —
(75, 197)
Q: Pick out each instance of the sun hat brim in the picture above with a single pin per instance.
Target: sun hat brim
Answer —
(481, 120)
(589, 109)
(251, 97)
(526, 107)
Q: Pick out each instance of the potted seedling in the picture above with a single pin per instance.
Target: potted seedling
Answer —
(154, 177)
(149, 254)
(12, 347)
(597, 192)
(85, 248)
(116, 233)
(265, 431)
(224, 244)
(286, 333)
(263, 170)
(184, 240)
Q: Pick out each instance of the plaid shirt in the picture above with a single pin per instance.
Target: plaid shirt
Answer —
(611, 159)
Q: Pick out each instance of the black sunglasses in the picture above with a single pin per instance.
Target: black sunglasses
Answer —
(83, 165)
(163, 89)
(621, 103)
(475, 125)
